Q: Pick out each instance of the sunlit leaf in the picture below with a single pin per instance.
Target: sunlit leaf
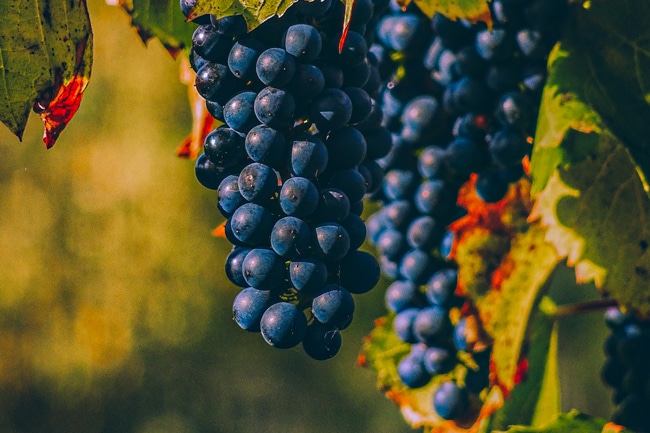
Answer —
(606, 65)
(506, 311)
(597, 216)
(161, 19)
(560, 111)
(255, 12)
(470, 10)
(46, 59)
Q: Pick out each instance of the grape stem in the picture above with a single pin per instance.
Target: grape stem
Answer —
(582, 307)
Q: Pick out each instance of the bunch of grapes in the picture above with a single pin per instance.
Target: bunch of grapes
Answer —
(459, 100)
(627, 349)
(291, 163)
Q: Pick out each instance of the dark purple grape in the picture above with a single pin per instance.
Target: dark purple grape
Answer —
(334, 306)
(252, 224)
(239, 113)
(228, 196)
(249, 306)
(308, 274)
(265, 145)
(242, 58)
(274, 107)
(258, 183)
(359, 272)
(298, 197)
(309, 156)
(321, 341)
(263, 269)
(450, 401)
(290, 237)
(303, 42)
(233, 266)
(283, 325)
(275, 67)
(330, 241)
(224, 147)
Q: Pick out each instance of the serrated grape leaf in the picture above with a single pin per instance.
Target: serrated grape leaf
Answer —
(572, 422)
(202, 121)
(382, 350)
(561, 111)
(161, 19)
(506, 310)
(470, 10)
(503, 265)
(597, 216)
(536, 400)
(45, 62)
(255, 12)
(608, 55)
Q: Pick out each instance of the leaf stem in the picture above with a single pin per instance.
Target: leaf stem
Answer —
(561, 311)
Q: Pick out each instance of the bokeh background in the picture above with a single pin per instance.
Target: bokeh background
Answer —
(115, 315)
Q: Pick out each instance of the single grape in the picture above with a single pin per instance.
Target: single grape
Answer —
(224, 147)
(290, 237)
(333, 305)
(252, 224)
(308, 274)
(359, 272)
(283, 325)
(263, 269)
(298, 197)
(275, 67)
(450, 401)
(321, 341)
(257, 182)
(274, 107)
(249, 306)
(239, 113)
(330, 241)
(303, 42)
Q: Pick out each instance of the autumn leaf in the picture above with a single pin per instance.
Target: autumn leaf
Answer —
(45, 64)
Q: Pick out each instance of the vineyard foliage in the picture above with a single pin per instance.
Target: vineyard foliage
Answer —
(585, 203)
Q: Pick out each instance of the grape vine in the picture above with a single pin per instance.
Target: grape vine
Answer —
(455, 154)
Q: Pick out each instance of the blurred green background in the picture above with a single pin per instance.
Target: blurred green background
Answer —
(115, 315)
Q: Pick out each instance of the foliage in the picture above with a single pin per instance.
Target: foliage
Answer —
(585, 199)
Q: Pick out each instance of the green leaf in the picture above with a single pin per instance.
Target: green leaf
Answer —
(572, 422)
(43, 46)
(597, 215)
(561, 111)
(506, 310)
(255, 12)
(607, 65)
(471, 10)
(536, 400)
(162, 19)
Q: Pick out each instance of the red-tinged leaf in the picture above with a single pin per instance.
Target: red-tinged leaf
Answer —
(46, 58)
(57, 112)
(220, 230)
(347, 18)
(202, 121)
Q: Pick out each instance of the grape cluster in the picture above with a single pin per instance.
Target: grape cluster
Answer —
(627, 351)
(460, 101)
(292, 161)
